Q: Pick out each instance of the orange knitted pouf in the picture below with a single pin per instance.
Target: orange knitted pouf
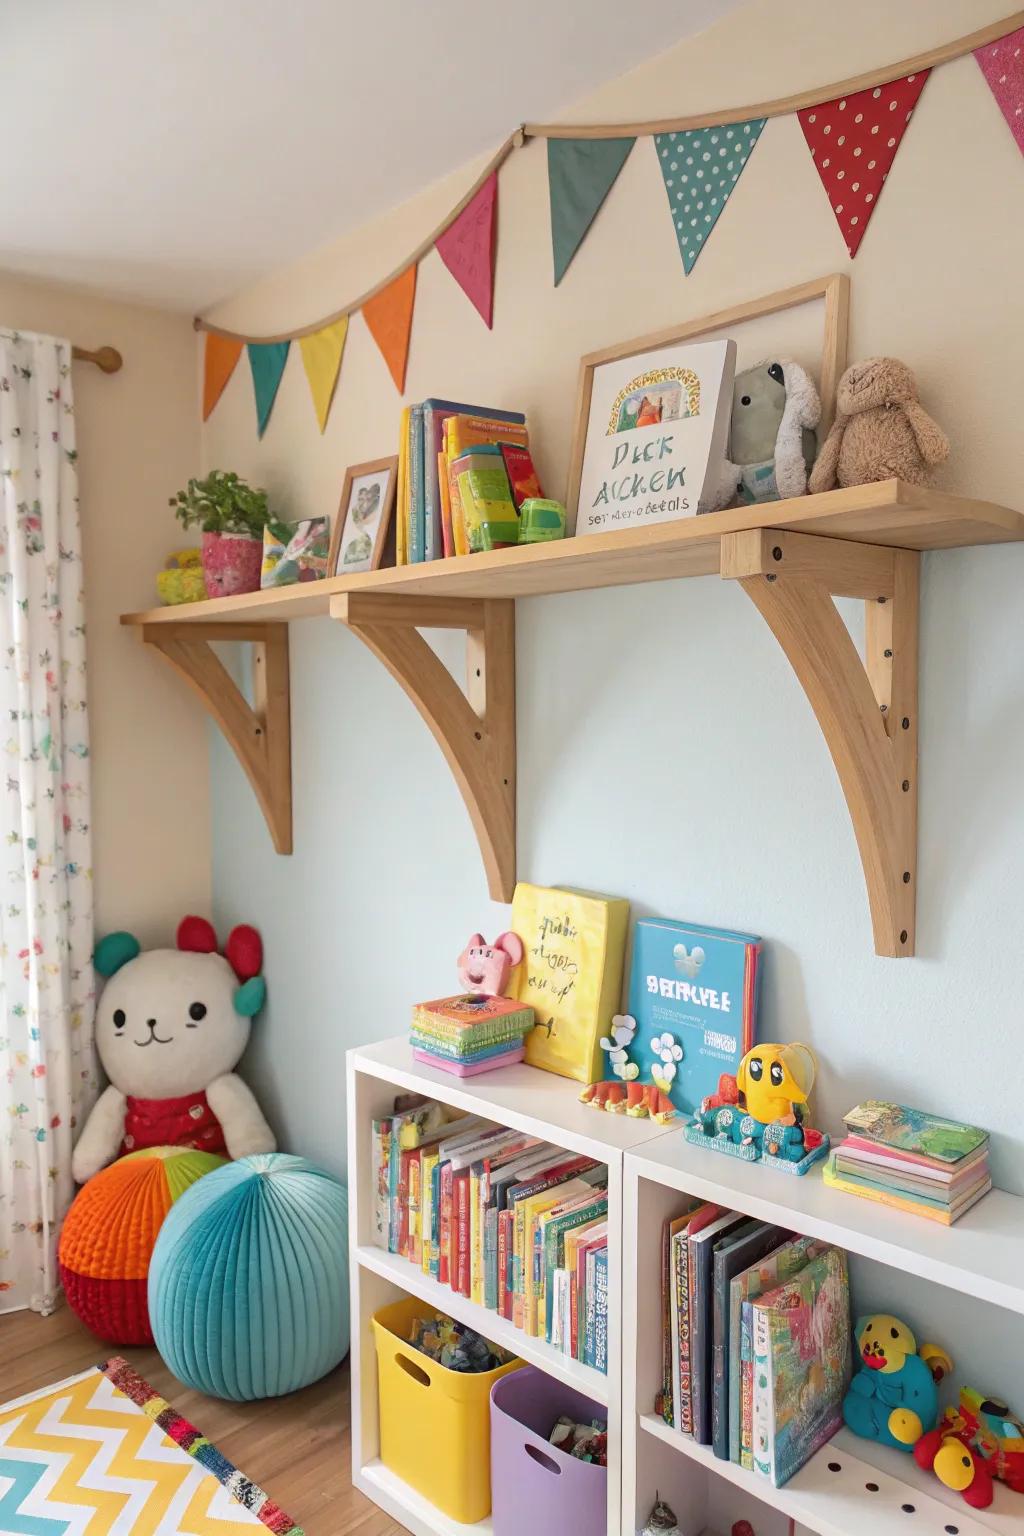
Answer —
(109, 1234)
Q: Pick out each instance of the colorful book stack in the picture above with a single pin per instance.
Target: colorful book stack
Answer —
(736, 1294)
(471, 1033)
(463, 473)
(911, 1160)
(510, 1222)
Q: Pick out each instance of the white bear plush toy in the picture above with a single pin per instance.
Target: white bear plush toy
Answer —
(170, 1027)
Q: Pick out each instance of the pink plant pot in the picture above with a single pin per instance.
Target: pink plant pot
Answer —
(231, 563)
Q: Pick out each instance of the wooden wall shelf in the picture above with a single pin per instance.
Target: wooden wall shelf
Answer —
(790, 557)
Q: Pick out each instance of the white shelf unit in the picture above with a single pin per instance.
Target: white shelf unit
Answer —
(521, 1098)
(851, 1486)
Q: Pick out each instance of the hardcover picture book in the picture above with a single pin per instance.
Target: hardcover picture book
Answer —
(656, 434)
(698, 985)
(914, 1131)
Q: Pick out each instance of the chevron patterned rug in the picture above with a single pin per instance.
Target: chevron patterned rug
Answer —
(102, 1454)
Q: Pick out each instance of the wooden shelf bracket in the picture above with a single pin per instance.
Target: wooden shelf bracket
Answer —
(867, 710)
(475, 730)
(259, 733)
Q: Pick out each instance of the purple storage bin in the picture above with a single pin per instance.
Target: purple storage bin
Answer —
(536, 1489)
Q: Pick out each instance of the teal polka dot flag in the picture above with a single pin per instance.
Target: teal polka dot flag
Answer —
(701, 168)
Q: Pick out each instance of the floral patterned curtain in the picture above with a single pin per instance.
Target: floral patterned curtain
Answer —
(47, 1064)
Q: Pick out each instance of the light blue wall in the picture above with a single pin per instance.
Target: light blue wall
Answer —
(666, 753)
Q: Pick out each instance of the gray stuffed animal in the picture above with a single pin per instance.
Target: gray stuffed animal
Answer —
(775, 409)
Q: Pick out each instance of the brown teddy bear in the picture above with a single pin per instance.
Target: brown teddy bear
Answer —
(881, 430)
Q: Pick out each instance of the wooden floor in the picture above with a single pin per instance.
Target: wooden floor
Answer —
(296, 1448)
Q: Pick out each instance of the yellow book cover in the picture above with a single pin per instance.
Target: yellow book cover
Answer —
(402, 493)
(478, 1180)
(415, 1170)
(459, 531)
(575, 943)
(462, 432)
(428, 1162)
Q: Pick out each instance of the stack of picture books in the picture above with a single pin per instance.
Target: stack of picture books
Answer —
(463, 473)
(510, 1222)
(911, 1160)
(755, 1338)
(471, 1033)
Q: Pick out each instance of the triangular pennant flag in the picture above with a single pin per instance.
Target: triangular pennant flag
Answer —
(321, 358)
(581, 173)
(467, 248)
(700, 168)
(854, 140)
(389, 316)
(1002, 64)
(222, 353)
(267, 360)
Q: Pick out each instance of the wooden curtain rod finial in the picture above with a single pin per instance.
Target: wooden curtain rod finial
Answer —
(107, 359)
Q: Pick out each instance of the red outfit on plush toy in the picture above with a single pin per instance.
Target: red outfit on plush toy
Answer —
(184, 1122)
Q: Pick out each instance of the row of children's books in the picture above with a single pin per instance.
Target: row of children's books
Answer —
(508, 1221)
(755, 1338)
(911, 1160)
(463, 472)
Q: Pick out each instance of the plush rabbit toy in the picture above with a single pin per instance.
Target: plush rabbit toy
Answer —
(881, 430)
(170, 1027)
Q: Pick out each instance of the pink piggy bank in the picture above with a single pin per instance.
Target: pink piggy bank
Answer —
(486, 967)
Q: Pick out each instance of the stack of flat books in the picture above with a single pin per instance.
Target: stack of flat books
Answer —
(911, 1160)
(471, 1033)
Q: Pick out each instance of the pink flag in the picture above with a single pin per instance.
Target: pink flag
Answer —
(467, 248)
(1002, 64)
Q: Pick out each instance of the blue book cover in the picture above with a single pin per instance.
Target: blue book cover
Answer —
(601, 1310)
(701, 1251)
(417, 529)
(741, 1249)
(434, 414)
(693, 994)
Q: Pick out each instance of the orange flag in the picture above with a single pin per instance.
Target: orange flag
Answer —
(221, 356)
(389, 317)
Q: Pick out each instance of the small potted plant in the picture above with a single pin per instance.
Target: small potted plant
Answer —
(232, 515)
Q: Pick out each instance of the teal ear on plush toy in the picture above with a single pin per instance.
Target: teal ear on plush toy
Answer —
(250, 996)
(114, 951)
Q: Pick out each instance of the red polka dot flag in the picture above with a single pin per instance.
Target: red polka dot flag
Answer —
(854, 140)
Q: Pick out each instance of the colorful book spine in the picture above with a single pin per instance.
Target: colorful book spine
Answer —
(414, 1251)
(747, 1386)
(380, 1152)
(590, 1325)
(684, 1401)
(601, 1310)
(417, 532)
(402, 493)
(762, 1430)
(428, 1162)
(444, 495)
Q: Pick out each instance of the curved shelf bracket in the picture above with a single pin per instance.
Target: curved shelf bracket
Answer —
(259, 733)
(867, 709)
(475, 730)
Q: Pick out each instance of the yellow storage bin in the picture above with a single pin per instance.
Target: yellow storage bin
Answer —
(435, 1424)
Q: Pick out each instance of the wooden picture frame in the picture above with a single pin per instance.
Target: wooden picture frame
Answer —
(374, 471)
(833, 289)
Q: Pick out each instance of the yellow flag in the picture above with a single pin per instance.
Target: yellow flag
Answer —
(321, 357)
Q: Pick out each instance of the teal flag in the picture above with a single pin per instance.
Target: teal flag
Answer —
(267, 360)
(701, 168)
(581, 173)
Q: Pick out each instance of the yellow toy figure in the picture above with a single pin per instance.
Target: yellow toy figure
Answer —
(774, 1079)
(893, 1397)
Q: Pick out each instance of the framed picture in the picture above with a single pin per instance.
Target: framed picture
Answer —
(647, 411)
(361, 526)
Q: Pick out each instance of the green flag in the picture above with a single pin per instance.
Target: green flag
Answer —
(700, 169)
(581, 173)
(267, 360)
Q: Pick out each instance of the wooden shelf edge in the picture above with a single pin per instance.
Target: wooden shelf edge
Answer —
(889, 513)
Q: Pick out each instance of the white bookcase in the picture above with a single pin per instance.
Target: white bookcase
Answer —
(850, 1488)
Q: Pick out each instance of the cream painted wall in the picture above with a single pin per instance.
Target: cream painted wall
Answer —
(138, 440)
(665, 749)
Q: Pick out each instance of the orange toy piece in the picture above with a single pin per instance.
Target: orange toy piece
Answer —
(638, 1100)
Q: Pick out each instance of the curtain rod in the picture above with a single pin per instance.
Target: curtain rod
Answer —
(107, 359)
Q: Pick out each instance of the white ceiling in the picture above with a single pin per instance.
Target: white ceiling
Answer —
(171, 151)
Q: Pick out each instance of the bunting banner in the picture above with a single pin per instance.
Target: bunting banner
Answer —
(853, 141)
(222, 353)
(321, 358)
(389, 317)
(1002, 64)
(700, 168)
(467, 248)
(581, 173)
(267, 360)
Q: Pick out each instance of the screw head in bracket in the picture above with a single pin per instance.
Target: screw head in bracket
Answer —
(770, 578)
(887, 655)
(905, 723)
(776, 553)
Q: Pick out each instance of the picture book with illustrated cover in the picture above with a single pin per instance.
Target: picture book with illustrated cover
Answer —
(699, 985)
(735, 1253)
(915, 1131)
(776, 1267)
(801, 1365)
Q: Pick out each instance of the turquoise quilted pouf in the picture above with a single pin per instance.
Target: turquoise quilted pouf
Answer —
(248, 1284)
